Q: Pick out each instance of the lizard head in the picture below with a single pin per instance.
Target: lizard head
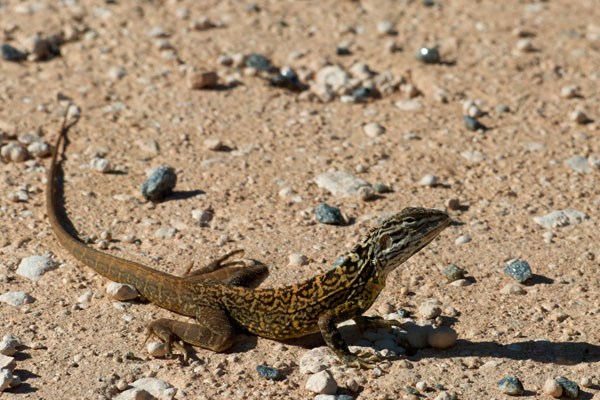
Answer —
(404, 234)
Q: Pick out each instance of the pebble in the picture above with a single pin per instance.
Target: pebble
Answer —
(552, 388)
(428, 55)
(160, 184)
(511, 385)
(14, 152)
(316, 360)
(421, 386)
(382, 188)
(385, 27)
(7, 362)
(16, 298)
(473, 124)
(213, 144)
(8, 345)
(288, 79)
(121, 291)
(366, 193)
(297, 260)
(321, 382)
(452, 203)
(165, 233)
(584, 382)
(340, 183)
(332, 78)
(454, 273)
(258, 62)
(100, 164)
(570, 388)
(116, 73)
(409, 105)
(373, 129)
(268, 372)
(561, 218)
(569, 92)
(326, 214)
(428, 180)
(519, 270)
(579, 164)
(84, 298)
(333, 397)
(361, 70)
(430, 310)
(548, 236)
(525, 46)
(39, 149)
(38, 47)
(442, 337)
(202, 80)
(462, 239)
(156, 32)
(579, 117)
(10, 53)
(34, 267)
(473, 156)
(443, 396)
(6, 379)
(155, 387)
(203, 217)
(513, 288)
(201, 24)
(156, 349)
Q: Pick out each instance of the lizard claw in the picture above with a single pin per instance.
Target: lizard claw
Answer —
(363, 360)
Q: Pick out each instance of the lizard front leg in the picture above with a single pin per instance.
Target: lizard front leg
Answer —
(334, 340)
(213, 331)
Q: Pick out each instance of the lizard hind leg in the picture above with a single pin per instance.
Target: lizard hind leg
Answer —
(213, 331)
(215, 265)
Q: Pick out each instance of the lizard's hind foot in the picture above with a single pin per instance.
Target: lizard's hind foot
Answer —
(161, 329)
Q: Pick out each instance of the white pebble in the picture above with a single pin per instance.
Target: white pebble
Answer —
(513, 288)
(421, 386)
(157, 349)
(121, 292)
(579, 117)
(7, 362)
(16, 298)
(585, 382)
(14, 152)
(374, 129)
(430, 310)
(6, 378)
(34, 267)
(84, 298)
(553, 388)
(428, 180)
(462, 239)
(569, 92)
(525, 45)
(297, 260)
(116, 73)
(8, 345)
(39, 149)
(202, 216)
(213, 144)
(385, 27)
(321, 382)
(100, 164)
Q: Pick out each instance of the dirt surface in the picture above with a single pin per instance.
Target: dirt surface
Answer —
(138, 112)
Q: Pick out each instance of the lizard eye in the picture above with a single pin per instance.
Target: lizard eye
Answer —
(410, 221)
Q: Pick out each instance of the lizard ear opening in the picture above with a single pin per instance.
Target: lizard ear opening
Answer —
(385, 241)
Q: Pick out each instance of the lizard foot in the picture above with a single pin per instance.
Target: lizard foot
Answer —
(158, 329)
(375, 322)
(362, 360)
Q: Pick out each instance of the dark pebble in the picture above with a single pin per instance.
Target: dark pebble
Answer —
(342, 51)
(402, 313)
(472, 124)
(9, 53)
(411, 390)
(519, 270)
(502, 109)
(428, 55)
(289, 80)
(454, 273)
(160, 184)
(570, 388)
(268, 372)
(428, 3)
(381, 188)
(325, 214)
(511, 385)
(364, 93)
(258, 62)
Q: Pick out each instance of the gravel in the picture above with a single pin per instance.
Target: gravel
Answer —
(160, 184)
(570, 388)
(560, 218)
(511, 385)
(519, 270)
(340, 183)
(270, 373)
(326, 214)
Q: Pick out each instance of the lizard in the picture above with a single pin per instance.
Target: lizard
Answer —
(222, 297)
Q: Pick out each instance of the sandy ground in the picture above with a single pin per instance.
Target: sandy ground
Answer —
(138, 111)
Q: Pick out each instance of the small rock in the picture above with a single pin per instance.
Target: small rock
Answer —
(213, 144)
(579, 164)
(202, 80)
(553, 388)
(8, 345)
(473, 124)
(525, 46)
(203, 217)
(473, 156)
(116, 73)
(35, 266)
(584, 381)
(569, 92)
(288, 79)
(513, 288)
(428, 180)
(579, 117)
(385, 27)
(100, 164)
(258, 62)
(268, 372)
(511, 385)
(428, 55)
(297, 260)
(381, 188)
(14, 152)
(156, 32)
(121, 291)
(374, 129)
(442, 338)
(6, 378)
(7, 362)
(156, 349)
(39, 149)
(366, 193)
(570, 388)
(317, 359)
(10, 53)
(321, 382)
(326, 214)
(84, 298)
(430, 310)
(462, 239)
(409, 105)
(452, 203)
(561, 218)
(16, 298)
(454, 273)
(160, 184)
(421, 386)
(340, 183)
(417, 336)
(165, 233)
(519, 270)
(156, 388)
(332, 78)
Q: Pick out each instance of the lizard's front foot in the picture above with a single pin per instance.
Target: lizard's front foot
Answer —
(160, 329)
(362, 360)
